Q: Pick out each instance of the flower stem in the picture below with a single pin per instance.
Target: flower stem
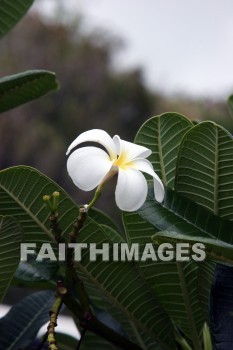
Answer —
(96, 196)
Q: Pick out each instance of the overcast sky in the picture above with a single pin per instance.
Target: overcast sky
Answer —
(182, 45)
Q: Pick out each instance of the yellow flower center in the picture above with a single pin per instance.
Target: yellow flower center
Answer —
(122, 161)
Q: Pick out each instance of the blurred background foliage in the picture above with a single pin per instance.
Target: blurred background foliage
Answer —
(92, 95)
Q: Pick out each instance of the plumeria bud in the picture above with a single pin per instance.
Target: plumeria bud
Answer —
(56, 196)
(47, 200)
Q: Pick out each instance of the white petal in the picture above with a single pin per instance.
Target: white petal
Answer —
(130, 150)
(145, 166)
(87, 166)
(95, 135)
(131, 189)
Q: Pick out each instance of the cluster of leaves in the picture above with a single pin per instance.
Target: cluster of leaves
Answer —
(149, 305)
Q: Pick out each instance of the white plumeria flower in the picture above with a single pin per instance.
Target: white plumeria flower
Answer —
(91, 166)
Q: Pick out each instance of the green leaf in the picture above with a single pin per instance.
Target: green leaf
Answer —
(205, 281)
(103, 219)
(21, 191)
(91, 341)
(10, 239)
(215, 250)
(205, 168)
(163, 134)
(18, 89)
(35, 274)
(11, 11)
(183, 216)
(126, 289)
(21, 324)
(173, 284)
(204, 173)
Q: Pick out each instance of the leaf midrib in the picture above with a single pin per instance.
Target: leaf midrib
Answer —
(160, 153)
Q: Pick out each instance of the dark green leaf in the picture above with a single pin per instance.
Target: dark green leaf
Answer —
(18, 89)
(21, 324)
(215, 249)
(92, 341)
(182, 215)
(10, 239)
(35, 273)
(21, 192)
(11, 11)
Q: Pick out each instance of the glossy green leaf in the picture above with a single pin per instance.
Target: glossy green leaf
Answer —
(182, 215)
(18, 89)
(21, 324)
(215, 249)
(11, 11)
(205, 168)
(163, 134)
(21, 191)
(10, 239)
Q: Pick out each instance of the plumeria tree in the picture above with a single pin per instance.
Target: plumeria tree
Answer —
(161, 282)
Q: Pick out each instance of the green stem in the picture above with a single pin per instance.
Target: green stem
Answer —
(96, 196)
(53, 218)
